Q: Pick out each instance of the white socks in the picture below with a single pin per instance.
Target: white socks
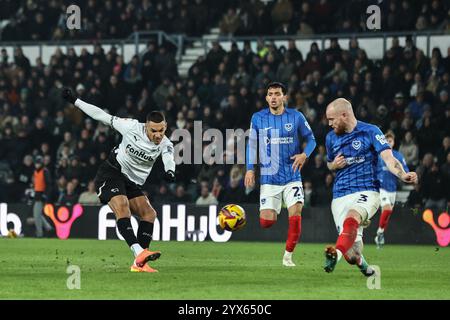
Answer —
(339, 254)
(136, 248)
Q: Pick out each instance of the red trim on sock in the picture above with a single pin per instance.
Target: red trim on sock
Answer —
(347, 237)
(266, 223)
(294, 231)
(384, 219)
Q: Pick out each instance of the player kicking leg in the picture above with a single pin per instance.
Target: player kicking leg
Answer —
(120, 178)
(124, 197)
(353, 148)
(350, 213)
(141, 206)
(120, 205)
(354, 257)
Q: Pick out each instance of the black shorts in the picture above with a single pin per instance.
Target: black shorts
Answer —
(110, 182)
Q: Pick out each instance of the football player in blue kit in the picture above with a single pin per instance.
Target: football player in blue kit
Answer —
(353, 148)
(388, 189)
(275, 145)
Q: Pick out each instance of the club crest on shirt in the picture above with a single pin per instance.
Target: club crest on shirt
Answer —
(356, 144)
(288, 126)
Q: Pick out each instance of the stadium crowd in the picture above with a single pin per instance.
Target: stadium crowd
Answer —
(46, 20)
(405, 92)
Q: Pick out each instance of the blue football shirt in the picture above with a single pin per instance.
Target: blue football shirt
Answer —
(388, 180)
(273, 140)
(360, 148)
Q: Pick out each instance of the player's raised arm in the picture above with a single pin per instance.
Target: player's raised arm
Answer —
(397, 168)
(120, 124)
(384, 149)
(92, 111)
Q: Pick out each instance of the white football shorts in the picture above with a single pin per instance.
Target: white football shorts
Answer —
(387, 198)
(365, 203)
(272, 196)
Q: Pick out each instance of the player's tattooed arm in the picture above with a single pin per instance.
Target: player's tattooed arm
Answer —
(396, 168)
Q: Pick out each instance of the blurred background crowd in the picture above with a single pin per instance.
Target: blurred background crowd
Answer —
(405, 92)
(46, 20)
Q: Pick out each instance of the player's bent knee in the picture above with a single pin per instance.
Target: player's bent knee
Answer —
(355, 215)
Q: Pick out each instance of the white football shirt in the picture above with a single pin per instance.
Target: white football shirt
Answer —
(136, 154)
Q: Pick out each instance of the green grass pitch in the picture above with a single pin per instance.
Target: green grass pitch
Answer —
(36, 269)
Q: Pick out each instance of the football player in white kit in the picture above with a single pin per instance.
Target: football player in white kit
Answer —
(120, 177)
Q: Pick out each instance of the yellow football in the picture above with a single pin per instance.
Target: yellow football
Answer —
(232, 217)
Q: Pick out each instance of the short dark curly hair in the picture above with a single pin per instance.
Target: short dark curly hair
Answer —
(277, 85)
(156, 116)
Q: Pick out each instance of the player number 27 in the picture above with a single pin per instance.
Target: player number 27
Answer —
(297, 193)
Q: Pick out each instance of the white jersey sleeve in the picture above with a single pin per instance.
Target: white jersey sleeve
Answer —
(168, 155)
(93, 111)
(123, 125)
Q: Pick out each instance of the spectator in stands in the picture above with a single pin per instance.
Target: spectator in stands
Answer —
(206, 197)
(234, 192)
(208, 171)
(230, 23)
(443, 152)
(42, 182)
(69, 197)
(264, 77)
(415, 197)
(180, 195)
(426, 135)
(308, 194)
(89, 197)
(163, 195)
(220, 81)
(324, 195)
(410, 150)
(425, 165)
(24, 173)
(285, 69)
(417, 106)
(40, 134)
(435, 191)
(304, 29)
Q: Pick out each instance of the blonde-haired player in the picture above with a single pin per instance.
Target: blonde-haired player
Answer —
(353, 148)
